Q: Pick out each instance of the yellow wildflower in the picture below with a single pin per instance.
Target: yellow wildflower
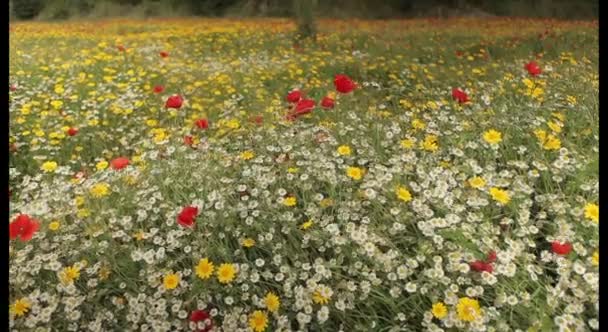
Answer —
(226, 273)
(204, 269)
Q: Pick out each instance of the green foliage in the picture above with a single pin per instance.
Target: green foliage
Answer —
(27, 9)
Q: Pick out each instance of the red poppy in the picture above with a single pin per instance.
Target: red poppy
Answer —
(13, 88)
(72, 131)
(460, 95)
(305, 106)
(23, 227)
(188, 140)
(174, 101)
(344, 84)
(294, 96)
(202, 316)
(187, 216)
(121, 48)
(459, 53)
(164, 54)
(12, 147)
(533, 68)
(561, 248)
(491, 257)
(327, 102)
(258, 119)
(480, 266)
(158, 88)
(119, 163)
(202, 123)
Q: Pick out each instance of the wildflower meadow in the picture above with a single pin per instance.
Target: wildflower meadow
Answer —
(216, 175)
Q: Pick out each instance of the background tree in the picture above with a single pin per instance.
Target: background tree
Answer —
(304, 14)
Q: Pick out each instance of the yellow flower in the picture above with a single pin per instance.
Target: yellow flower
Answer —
(417, 124)
(248, 242)
(292, 170)
(322, 295)
(499, 195)
(54, 225)
(139, 236)
(326, 202)
(171, 280)
(204, 269)
(407, 143)
(555, 126)
(439, 310)
(104, 272)
(595, 259)
(20, 307)
(355, 173)
(79, 200)
(344, 150)
(571, 100)
(592, 212)
(540, 134)
(49, 166)
(102, 165)
(306, 225)
(272, 302)
(258, 321)
(246, 155)
(69, 274)
(492, 136)
(233, 124)
(290, 201)
(226, 273)
(83, 213)
(430, 143)
(552, 143)
(404, 194)
(100, 190)
(468, 309)
(477, 182)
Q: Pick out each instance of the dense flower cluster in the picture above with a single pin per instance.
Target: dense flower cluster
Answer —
(208, 176)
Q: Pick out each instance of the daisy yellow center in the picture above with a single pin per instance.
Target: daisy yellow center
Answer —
(492, 136)
(100, 190)
(439, 310)
(272, 302)
(20, 307)
(344, 150)
(407, 143)
(468, 309)
(204, 269)
(248, 243)
(355, 173)
(592, 212)
(171, 281)
(404, 194)
(595, 259)
(306, 225)
(499, 195)
(477, 182)
(258, 321)
(247, 155)
(49, 166)
(226, 273)
(290, 201)
(54, 225)
(69, 274)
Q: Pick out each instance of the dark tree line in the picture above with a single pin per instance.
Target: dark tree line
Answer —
(28, 9)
